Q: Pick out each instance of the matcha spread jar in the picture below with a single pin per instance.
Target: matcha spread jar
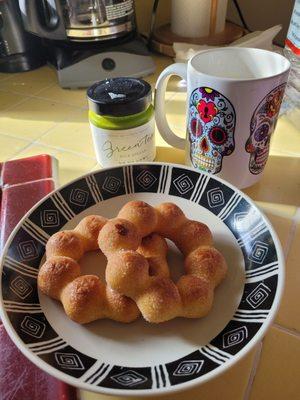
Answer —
(122, 121)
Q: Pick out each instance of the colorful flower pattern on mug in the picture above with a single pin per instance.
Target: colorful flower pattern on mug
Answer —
(262, 125)
(210, 128)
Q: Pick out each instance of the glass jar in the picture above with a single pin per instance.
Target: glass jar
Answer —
(122, 121)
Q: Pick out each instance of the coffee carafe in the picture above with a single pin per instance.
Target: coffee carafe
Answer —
(79, 20)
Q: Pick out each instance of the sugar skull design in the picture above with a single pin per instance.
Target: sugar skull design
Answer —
(262, 125)
(210, 128)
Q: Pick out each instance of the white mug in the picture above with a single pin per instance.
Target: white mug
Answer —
(233, 100)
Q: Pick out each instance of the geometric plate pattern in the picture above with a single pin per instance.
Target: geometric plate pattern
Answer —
(27, 247)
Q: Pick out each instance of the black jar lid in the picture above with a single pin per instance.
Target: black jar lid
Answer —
(119, 96)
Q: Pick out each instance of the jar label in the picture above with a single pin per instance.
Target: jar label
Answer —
(124, 146)
(119, 9)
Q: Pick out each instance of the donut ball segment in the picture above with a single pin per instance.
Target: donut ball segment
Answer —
(130, 254)
(140, 272)
(154, 248)
(85, 298)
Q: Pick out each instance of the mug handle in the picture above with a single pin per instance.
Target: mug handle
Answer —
(168, 135)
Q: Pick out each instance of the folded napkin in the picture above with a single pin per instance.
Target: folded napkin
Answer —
(258, 39)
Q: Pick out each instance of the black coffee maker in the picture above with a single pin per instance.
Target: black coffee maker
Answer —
(19, 50)
(88, 40)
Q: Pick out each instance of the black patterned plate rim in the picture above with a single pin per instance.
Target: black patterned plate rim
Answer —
(264, 272)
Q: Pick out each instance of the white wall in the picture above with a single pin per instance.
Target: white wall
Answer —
(262, 14)
(143, 12)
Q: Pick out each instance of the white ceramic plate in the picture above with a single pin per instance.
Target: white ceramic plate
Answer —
(141, 358)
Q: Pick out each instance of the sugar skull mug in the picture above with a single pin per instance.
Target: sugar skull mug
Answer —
(233, 101)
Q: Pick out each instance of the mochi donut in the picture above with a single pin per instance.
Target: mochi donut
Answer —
(132, 268)
(85, 298)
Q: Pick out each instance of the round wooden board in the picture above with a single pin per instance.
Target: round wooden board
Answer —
(163, 38)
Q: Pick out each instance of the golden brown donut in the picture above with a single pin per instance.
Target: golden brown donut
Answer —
(119, 234)
(137, 272)
(128, 271)
(137, 269)
(66, 244)
(74, 243)
(160, 301)
(196, 294)
(84, 298)
(55, 274)
(170, 218)
(89, 228)
(154, 248)
(213, 265)
(87, 299)
(192, 235)
(141, 215)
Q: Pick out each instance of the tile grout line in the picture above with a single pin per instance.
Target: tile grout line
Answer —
(255, 364)
(92, 169)
(13, 136)
(292, 231)
(31, 96)
(44, 88)
(35, 141)
(31, 141)
(18, 152)
(65, 150)
(22, 93)
(9, 77)
(10, 135)
(15, 104)
(81, 108)
(292, 332)
(257, 357)
(60, 149)
(38, 96)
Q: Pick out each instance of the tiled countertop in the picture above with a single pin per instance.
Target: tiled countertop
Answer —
(36, 116)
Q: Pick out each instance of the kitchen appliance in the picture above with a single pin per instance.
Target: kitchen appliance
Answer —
(19, 50)
(89, 40)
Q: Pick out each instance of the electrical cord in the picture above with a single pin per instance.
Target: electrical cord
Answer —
(245, 25)
(152, 23)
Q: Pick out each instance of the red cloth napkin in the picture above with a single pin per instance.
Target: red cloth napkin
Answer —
(28, 169)
(23, 183)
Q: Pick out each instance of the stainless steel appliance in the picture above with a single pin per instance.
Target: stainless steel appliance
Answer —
(19, 50)
(89, 40)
